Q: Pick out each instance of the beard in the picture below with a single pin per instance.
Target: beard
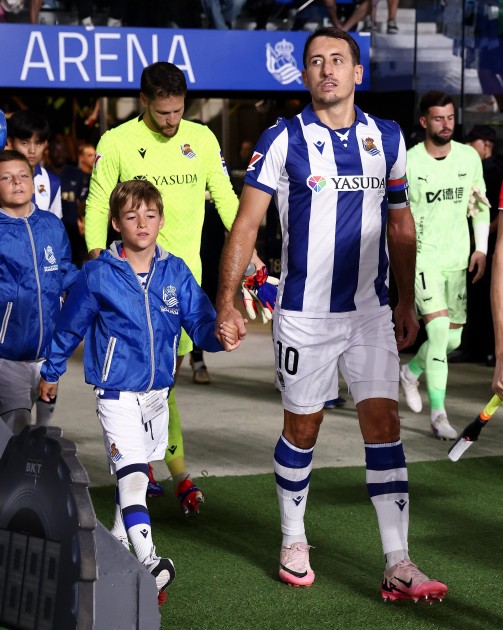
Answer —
(439, 140)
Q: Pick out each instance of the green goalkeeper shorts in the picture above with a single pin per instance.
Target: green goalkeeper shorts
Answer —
(438, 290)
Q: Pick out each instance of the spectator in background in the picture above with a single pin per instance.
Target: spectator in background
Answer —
(358, 13)
(370, 23)
(222, 13)
(85, 9)
(28, 132)
(72, 192)
(86, 12)
(478, 337)
(87, 155)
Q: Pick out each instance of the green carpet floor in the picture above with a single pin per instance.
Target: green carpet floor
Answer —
(226, 558)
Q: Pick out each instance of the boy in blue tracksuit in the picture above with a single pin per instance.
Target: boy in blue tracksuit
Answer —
(130, 304)
(35, 272)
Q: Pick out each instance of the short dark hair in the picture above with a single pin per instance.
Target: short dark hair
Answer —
(163, 79)
(335, 33)
(14, 156)
(138, 191)
(481, 132)
(434, 98)
(26, 122)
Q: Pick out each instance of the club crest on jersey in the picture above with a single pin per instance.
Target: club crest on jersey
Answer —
(187, 151)
(256, 157)
(42, 190)
(170, 299)
(316, 183)
(97, 158)
(369, 146)
(51, 259)
(115, 454)
(281, 64)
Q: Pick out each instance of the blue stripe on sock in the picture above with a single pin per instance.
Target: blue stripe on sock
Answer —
(294, 486)
(127, 470)
(290, 458)
(135, 515)
(385, 457)
(392, 487)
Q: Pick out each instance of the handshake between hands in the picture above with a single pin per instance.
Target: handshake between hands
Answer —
(259, 291)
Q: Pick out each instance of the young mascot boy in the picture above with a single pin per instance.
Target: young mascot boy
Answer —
(130, 303)
(35, 271)
(28, 133)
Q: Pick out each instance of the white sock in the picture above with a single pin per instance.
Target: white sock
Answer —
(118, 530)
(387, 484)
(409, 375)
(292, 468)
(437, 412)
(133, 504)
(393, 557)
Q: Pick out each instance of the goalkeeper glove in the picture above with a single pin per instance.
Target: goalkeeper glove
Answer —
(476, 197)
(259, 292)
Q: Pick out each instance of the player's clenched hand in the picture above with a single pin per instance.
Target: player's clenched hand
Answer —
(259, 293)
(406, 325)
(229, 336)
(47, 391)
(477, 259)
(232, 317)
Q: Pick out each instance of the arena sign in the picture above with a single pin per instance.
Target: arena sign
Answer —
(105, 58)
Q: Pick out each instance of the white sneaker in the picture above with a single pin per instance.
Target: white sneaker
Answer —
(410, 389)
(441, 428)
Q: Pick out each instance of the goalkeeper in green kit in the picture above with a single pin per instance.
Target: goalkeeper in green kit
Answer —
(182, 159)
(447, 190)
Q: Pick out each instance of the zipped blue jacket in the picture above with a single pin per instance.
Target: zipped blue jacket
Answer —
(131, 333)
(35, 271)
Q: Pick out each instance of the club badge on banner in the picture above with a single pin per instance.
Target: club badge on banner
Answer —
(75, 57)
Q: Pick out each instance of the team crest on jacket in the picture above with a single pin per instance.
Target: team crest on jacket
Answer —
(51, 259)
(187, 151)
(369, 146)
(170, 298)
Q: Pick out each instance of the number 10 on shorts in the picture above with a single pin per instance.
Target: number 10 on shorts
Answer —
(288, 360)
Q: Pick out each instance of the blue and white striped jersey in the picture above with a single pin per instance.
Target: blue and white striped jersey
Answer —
(333, 190)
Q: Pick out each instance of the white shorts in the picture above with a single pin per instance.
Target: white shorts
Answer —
(309, 352)
(18, 384)
(127, 439)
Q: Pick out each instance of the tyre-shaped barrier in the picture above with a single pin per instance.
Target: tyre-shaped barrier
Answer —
(60, 569)
(47, 524)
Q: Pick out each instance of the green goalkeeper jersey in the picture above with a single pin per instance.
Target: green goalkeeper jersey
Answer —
(439, 194)
(181, 167)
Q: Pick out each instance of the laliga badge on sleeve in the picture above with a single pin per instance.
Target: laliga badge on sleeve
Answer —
(3, 130)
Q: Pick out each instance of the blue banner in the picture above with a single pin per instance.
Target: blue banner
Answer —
(76, 58)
